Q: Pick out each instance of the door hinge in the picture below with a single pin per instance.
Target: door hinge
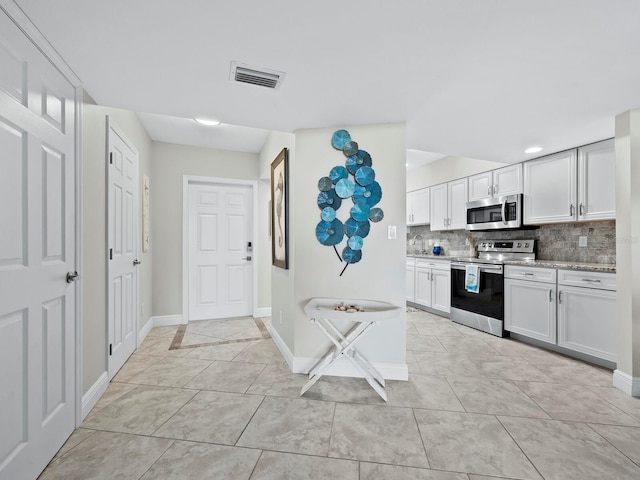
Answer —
(111, 158)
(110, 349)
(111, 254)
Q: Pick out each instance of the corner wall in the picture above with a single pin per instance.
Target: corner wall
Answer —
(380, 275)
(94, 177)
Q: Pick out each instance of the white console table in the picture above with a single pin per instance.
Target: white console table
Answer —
(321, 312)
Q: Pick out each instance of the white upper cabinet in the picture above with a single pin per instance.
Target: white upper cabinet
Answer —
(578, 184)
(448, 205)
(550, 188)
(597, 181)
(418, 207)
(457, 204)
(497, 183)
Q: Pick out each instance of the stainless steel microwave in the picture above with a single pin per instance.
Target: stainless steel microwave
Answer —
(495, 213)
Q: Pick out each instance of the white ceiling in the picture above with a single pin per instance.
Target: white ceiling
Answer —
(481, 79)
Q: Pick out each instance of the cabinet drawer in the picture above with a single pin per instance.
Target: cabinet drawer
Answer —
(577, 278)
(411, 262)
(434, 264)
(538, 274)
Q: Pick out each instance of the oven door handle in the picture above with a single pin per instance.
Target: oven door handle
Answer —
(483, 268)
(503, 211)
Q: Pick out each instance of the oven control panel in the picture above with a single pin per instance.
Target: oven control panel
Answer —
(512, 246)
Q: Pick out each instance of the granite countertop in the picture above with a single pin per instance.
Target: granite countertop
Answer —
(594, 267)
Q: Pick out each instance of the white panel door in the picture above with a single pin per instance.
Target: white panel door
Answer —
(411, 283)
(123, 223)
(37, 250)
(597, 181)
(420, 214)
(507, 180)
(220, 230)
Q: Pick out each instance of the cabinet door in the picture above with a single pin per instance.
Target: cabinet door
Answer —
(480, 186)
(507, 180)
(410, 208)
(411, 283)
(587, 321)
(597, 181)
(457, 202)
(438, 207)
(441, 290)
(530, 309)
(423, 287)
(421, 207)
(550, 189)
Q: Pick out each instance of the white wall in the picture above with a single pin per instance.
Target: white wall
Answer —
(170, 164)
(94, 338)
(274, 144)
(447, 169)
(314, 268)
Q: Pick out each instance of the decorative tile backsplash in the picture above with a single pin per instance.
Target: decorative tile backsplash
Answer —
(555, 242)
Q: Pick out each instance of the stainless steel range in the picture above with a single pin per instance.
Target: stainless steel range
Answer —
(482, 307)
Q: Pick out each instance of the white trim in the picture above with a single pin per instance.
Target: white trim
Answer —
(165, 320)
(625, 382)
(186, 180)
(94, 393)
(79, 209)
(144, 331)
(282, 346)
(342, 367)
(262, 312)
(15, 13)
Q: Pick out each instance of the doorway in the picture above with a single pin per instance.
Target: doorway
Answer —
(219, 263)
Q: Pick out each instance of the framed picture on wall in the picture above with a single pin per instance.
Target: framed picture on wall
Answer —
(280, 210)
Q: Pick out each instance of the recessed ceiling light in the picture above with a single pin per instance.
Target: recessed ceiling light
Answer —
(533, 150)
(207, 122)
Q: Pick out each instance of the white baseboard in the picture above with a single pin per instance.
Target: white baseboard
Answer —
(262, 312)
(144, 331)
(342, 368)
(94, 393)
(628, 384)
(282, 346)
(165, 320)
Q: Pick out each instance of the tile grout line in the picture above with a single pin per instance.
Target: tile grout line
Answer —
(519, 447)
(610, 443)
(424, 447)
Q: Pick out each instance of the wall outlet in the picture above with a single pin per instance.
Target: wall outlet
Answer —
(391, 232)
(582, 241)
(431, 242)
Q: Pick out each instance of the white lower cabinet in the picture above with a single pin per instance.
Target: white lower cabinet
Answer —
(577, 313)
(530, 309)
(587, 316)
(430, 285)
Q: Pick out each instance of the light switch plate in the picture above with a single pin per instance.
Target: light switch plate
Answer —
(582, 241)
(391, 232)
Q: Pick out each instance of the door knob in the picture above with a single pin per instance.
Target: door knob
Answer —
(71, 277)
(136, 262)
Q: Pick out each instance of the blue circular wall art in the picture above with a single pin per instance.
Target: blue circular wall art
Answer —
(356, 180)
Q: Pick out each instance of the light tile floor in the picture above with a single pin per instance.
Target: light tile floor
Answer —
(224, 405)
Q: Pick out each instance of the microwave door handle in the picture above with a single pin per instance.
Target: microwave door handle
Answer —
(503, 211)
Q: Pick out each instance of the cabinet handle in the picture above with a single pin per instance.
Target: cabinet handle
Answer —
(527, 274)
(571, 208)
(495, 189)
(550, 292)
(591, 280)
(560, 296)
(581, 209)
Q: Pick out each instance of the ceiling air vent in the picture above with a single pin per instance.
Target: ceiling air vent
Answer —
(256, 76)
